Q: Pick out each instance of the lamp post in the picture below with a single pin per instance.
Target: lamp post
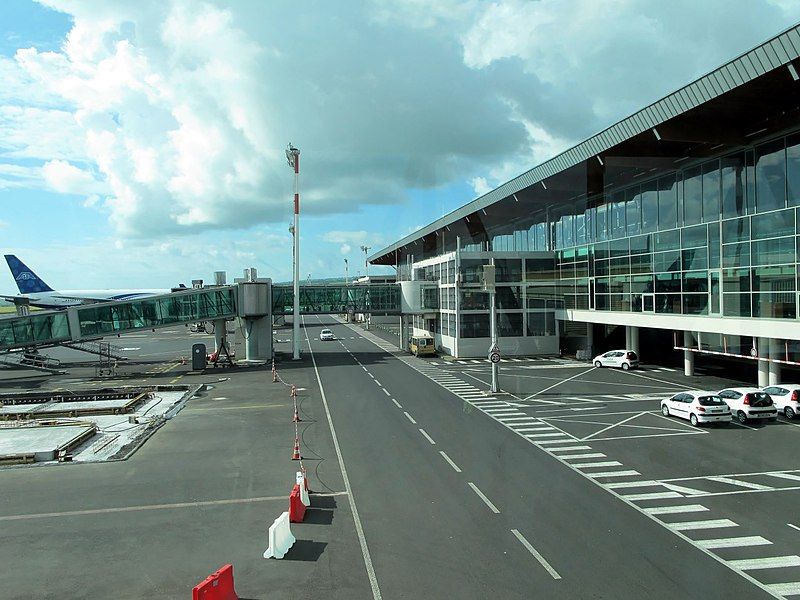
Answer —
(365, 250)
(293, 158)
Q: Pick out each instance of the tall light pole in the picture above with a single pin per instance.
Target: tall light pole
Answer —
(345, 272)
(494, 352)
(365, 250)
(293, 158)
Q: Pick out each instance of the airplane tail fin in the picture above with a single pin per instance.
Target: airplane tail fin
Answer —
(27, 281)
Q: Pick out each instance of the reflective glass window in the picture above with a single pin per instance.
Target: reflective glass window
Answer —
(667, 203)
(736, 255)
(695, 304)
(668, 303)
(667, 240)
(774, 279)
(773, 252)
(509, 324)
(508, 297)
(736, 230)
(773, 224)
(667, 261)
(733, 186)
(736, 305)
(770, 175)
(775, 306)
(633, 210)
(793, 169)
(649, 201)
(695, 281)
(601, 223)
(617, 216)
(668, 282)
(695, 258)
(711, 191)
(713, 245)
(474, 325)
(736, 280)
(508, 269)
(694, 237)
(692, 196)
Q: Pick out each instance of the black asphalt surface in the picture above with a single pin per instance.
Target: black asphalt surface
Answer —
(431, 536)
(204, 489)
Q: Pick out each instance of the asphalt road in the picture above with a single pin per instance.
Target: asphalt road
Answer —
(431, 534)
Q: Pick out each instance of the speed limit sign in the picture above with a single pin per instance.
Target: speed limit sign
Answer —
(494, 357)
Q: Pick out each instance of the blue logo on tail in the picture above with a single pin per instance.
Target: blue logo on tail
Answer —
(27, 281)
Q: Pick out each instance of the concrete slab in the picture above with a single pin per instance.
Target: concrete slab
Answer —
(41, 443)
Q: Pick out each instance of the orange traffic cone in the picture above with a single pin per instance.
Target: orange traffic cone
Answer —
(293, 393)
(296, 418)
(296, 451)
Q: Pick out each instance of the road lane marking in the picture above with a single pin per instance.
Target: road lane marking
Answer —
(686, 491)
(370, 374)
(553, 573)
(427, 437)
(536, 436)
(547, 389)
(793, 526)
(481, 495)
(591, 435)
(378, 383)
(385, 391)
(570, 448)
(614, 473)
(735, 542)
(588, 455)
(674, 510)
(708, 524)
(566, 440)
(631, 484)
(744, 484)
(373, 580)
(650, 496)
(772, 562)
(141, 507)
(410, 418)
(785, 589)
(450, 461)
(396, 403)
(592, 465)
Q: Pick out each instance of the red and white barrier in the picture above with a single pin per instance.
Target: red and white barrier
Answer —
(217, 586)
(280, 537)
(297, 510)
(303, 483)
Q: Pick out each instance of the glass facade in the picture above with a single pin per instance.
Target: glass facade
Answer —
(35, 329)
(333, 299)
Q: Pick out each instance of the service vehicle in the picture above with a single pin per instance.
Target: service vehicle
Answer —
(786, 397)
(749, 403)
(622, 359)
(326, 335)
(422, 345)
(697, 407)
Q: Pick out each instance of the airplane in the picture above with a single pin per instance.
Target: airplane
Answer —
(41, 295)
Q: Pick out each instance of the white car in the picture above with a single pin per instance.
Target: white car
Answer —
(749, 403)
(624, 359)
(326, 334)
(698, 407)
(786, 397)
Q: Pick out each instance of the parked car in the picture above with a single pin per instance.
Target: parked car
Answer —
(624, 359)
(326, 334)
(786, 397)
(697, 407)
(749, 403)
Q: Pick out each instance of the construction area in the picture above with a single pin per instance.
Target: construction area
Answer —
(84, 426)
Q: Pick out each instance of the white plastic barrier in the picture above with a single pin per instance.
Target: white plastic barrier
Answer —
(280, 537)
(301, 481)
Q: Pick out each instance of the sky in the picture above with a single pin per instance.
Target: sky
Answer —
(142, 143)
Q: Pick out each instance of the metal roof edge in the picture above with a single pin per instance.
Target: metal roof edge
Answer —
(637, 122)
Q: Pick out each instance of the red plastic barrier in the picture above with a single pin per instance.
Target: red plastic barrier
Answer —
(297, 510)
(217, 586)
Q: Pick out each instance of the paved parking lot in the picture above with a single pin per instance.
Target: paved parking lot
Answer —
(730, 490)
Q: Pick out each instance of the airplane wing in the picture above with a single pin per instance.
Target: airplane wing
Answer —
(31, 301)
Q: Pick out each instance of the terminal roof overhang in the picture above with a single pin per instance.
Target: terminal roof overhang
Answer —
(750, 97)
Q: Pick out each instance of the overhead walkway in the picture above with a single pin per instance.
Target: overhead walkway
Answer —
(376, 299)
(93, 321)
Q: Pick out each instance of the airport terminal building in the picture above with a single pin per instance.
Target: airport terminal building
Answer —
(675, 228)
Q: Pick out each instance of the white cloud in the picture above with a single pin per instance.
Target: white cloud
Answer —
(68, 179)
(354, 237)
(345, 249)
(480, 186)
(176, 112)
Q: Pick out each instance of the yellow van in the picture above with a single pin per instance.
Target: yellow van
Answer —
(422, 345)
